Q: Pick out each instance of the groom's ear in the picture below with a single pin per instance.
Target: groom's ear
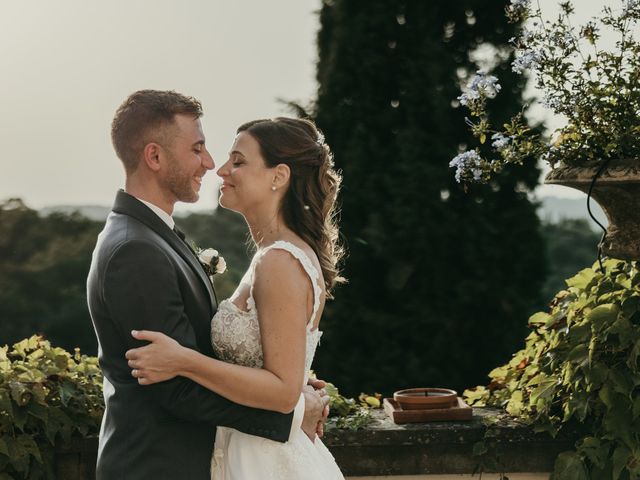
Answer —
(282, 173)
(151, 156)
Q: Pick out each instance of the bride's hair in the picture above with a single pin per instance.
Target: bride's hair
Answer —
(309, 205)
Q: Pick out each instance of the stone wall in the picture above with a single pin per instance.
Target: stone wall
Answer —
(433, 451)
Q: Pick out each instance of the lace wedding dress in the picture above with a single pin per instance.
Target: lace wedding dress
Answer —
(235, 334)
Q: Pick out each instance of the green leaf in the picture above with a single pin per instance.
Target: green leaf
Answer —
(67, 391)
(606, 396)
(632, 360)
(597, 374)
(514, 406)
(539, 318)
(27, 443)
(19, 455)
(578, 404)
(620, 459)
(476, 396)
(569, 466)
(603, 315)
(4, 450)
(5, 402)
(616, 421)
(479, 449)
(593, 449)
(622, 383)
(579, 333)
(578, 354)
(582, 279)
(499, 373)
(20, 393)
(624, 329)
(62, 361)
(544, 390)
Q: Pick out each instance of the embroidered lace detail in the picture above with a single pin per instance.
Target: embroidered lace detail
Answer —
(236, 335)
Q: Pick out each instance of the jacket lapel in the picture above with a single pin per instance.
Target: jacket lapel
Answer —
(128, 205)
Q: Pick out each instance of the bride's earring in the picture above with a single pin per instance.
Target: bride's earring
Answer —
(273, 187)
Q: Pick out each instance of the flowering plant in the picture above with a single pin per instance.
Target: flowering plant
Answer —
(211, 261)
(597, 91)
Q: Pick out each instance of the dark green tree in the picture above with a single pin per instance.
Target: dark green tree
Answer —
(441, 280)
(44, 261)
(571, 245)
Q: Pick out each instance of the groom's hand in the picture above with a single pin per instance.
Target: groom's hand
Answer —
(314, 408)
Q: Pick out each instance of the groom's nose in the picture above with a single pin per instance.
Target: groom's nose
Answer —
(207, 161)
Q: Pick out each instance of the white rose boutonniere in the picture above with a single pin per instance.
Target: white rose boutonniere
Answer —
(212, 261)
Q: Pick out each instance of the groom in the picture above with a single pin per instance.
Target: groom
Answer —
(144, 276)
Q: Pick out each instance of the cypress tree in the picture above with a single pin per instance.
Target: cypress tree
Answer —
(441, 281)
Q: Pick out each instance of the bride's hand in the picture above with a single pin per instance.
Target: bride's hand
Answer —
(158, 361)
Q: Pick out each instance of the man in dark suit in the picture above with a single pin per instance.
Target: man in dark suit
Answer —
(144, 276)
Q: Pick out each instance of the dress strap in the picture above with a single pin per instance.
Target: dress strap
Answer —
(307, 264)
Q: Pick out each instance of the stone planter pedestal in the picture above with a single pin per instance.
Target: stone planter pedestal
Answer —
(617, 190)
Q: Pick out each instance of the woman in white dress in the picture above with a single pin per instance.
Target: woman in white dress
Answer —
(280, 177)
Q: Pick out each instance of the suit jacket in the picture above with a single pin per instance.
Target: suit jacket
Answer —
(144, 277)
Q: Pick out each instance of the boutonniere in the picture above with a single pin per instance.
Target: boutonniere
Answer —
(212, 262)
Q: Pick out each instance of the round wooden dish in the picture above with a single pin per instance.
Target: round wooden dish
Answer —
(426, 398)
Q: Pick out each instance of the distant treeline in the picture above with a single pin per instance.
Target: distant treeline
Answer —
(44, 261)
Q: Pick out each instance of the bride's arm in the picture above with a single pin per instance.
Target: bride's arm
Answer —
(281, 292)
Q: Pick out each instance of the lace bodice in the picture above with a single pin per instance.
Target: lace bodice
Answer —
(235, 333)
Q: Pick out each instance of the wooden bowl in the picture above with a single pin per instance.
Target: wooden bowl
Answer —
(425, 398)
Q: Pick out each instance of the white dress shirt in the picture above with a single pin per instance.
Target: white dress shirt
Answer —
(164, 216)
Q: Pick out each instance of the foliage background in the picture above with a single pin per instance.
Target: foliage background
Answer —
(44, 261)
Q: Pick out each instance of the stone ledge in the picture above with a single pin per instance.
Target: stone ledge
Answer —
(384, 448)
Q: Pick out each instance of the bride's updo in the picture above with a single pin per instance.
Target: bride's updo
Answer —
(309, 205)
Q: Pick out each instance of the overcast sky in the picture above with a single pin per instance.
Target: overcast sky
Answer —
(67, 64)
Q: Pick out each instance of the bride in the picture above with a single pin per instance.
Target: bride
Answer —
(280, 177)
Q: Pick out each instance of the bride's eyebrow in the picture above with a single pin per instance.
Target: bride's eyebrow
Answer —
(236, 152)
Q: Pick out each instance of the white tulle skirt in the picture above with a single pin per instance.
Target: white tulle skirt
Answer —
(238, 456)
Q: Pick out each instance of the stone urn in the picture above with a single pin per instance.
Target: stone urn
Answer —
(617, 190)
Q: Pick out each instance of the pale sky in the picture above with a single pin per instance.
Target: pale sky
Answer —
(67, 64)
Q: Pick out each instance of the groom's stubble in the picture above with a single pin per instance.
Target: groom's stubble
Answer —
(177, 181)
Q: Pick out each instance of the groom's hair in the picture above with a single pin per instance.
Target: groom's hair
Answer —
(145, 117)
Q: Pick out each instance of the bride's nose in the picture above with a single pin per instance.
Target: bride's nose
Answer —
(222, 171)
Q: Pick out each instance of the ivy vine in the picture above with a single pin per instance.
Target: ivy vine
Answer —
(580, 366)
(47, 396)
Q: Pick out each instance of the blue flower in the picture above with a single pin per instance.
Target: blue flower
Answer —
(480, 85)
(465, 162)
(528, 59)
(499, 141)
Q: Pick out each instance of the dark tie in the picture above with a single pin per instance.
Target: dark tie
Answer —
(179, 233)
(183, 238)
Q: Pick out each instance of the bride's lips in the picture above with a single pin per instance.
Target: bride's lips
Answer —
(225, 185)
